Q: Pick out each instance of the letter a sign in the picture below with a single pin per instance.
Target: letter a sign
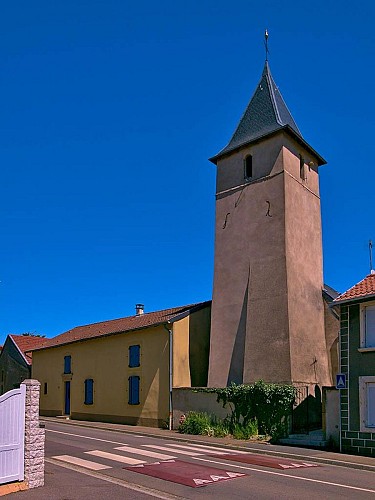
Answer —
(341, 381)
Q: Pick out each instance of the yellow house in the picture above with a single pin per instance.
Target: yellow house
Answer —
(123, 370)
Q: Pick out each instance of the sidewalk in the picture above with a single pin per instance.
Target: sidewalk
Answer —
(305, 454)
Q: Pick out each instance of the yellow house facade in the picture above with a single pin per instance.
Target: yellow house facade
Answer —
(123, 370)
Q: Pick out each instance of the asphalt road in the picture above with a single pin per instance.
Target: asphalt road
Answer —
(85, 463)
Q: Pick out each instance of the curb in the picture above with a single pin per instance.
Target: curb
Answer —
(6, 489)
(190, 438)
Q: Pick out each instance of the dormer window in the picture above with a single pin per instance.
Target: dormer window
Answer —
(248, 164)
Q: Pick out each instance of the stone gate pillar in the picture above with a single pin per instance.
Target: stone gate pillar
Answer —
(34, 436)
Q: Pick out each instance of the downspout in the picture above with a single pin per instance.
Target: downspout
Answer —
(168, 327)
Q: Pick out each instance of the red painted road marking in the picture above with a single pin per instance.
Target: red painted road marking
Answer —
(177, 471)
(265, 461)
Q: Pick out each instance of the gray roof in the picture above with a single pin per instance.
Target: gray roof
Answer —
(265, 114)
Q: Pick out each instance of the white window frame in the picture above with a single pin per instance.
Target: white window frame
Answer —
(364, 346)
(364, 383)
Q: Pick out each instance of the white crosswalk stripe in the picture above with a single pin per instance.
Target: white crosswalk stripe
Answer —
(146, 453)
(194, 448)
(81, 462)
(181, 452)
(208, 449)
(115, 457)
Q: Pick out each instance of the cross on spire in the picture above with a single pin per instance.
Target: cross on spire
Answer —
(266, 43)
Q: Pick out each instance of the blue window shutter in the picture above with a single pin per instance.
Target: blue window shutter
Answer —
(89, 391)
(67, 364)
(134, 390)
(134, 356)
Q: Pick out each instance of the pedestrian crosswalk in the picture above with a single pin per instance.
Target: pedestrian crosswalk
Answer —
(146, 452)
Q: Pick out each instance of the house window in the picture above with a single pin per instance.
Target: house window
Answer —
(134, 356)
(89, 391)
(367, 403)
(134, 390)
(67, 364)
(45, 388)
(248, 164)
(368, 325)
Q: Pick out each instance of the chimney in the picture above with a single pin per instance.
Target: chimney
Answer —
(139, 309)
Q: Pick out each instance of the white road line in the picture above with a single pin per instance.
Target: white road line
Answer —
(114, 457)
(81, 462)
(287, 475)
(147, 453)
(86, 437)
(331, 462)
(164, 448)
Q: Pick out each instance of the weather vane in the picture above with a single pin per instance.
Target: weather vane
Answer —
(370, 251)
(266, 43)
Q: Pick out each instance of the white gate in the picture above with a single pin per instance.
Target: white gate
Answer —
(12, 435)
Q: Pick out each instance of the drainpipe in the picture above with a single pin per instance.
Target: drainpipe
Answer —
(168, 327)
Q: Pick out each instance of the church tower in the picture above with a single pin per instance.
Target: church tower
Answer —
(267, 310)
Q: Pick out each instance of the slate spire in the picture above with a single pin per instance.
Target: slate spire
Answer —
(265, 113)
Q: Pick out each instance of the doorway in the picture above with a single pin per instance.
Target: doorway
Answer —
(67, 398)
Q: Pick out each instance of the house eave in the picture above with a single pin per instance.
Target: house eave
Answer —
(352, 300)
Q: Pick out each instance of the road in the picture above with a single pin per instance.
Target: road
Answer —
(85, 463)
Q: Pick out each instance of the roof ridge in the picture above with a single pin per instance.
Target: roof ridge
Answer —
(267, 74)
(119, 325)
(135, 315)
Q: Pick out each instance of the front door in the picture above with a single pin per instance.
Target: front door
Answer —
(67, 398)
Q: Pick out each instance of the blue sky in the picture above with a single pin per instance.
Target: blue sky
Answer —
(109, 111)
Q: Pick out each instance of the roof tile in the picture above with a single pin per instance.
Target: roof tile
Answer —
(363, 289)
(120, 325)
(27, 342)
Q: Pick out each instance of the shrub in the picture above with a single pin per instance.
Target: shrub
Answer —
(196, 423)
(240, 431)
(203, 424)
(269, 404)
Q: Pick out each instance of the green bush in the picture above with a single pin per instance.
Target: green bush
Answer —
(221, 429)
(247, 431)
(196, 423)
(204, 425)
(268, 404)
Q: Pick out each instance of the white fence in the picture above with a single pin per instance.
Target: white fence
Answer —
(12, 435)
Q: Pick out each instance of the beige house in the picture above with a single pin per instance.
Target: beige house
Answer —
(123, 370)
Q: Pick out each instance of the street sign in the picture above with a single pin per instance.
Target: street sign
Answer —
(341, 381)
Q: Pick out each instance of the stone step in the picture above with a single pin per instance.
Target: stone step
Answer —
(311, 437)
(304, 442)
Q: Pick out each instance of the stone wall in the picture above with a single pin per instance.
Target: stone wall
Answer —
(186, 399)
(34, 436)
